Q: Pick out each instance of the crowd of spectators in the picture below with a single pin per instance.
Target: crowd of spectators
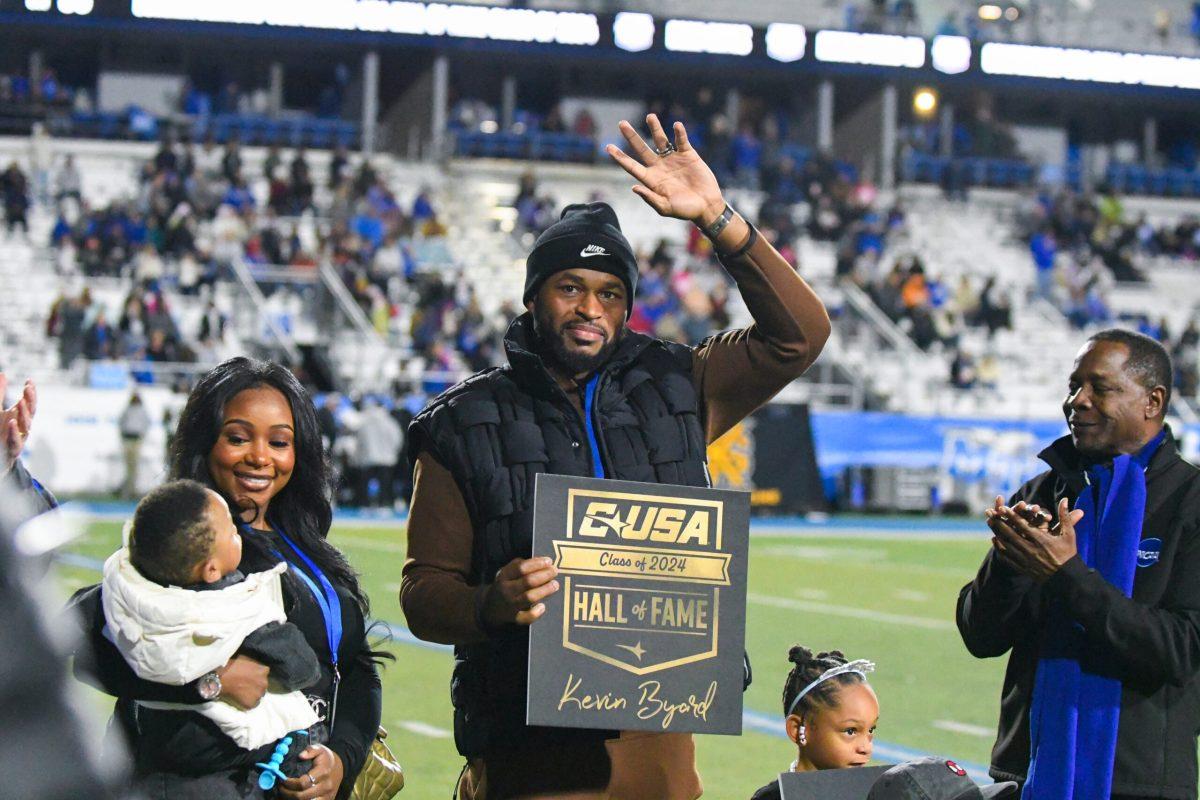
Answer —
(144, 331)
(1081, 243)
(20, 90)
(199, 208)
(881, 16)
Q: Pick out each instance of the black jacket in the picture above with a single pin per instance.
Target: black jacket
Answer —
(1153, 637)
(495, 432)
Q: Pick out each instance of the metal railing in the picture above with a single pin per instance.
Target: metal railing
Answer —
(282, 338)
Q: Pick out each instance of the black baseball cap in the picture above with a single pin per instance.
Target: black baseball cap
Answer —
(934, 779)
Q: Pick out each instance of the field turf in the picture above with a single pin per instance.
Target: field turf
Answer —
(872, 589)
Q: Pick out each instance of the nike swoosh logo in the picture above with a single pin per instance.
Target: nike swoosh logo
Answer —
(592, 250)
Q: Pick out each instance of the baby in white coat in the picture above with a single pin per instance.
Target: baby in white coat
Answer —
(178, 609)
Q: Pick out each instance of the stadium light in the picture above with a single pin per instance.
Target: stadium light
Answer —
(786, 41)
(874, 49)
(951, 54)
(77, 7)
(990, 12)
(1100, 66)
(37, 5)
(633, 32)
(432, 19)
(718, 38)
(925, 102)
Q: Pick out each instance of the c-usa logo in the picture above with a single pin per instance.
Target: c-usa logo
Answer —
(1148, 552)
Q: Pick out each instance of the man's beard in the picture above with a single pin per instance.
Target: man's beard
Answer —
(553, 346)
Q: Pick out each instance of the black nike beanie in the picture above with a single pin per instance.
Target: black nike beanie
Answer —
(586, 236)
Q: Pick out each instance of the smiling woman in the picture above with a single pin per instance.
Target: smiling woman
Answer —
(250, 432)
(253, 457)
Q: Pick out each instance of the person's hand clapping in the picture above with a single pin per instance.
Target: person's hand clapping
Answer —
(1028, 541)
(520, 587)
(673, 179)
(15, 423)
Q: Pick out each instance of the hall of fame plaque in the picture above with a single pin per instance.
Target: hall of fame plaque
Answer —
(647, 630)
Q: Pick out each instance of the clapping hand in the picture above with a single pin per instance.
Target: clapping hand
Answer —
(1028, 540)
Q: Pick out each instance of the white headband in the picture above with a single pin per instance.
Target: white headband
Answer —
(859, 667)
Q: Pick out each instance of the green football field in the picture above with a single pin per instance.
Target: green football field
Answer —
(878, 589)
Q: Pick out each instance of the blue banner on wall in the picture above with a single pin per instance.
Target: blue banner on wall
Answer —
(998, 454)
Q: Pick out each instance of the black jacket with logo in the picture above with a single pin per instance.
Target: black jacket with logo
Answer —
(1153, 638)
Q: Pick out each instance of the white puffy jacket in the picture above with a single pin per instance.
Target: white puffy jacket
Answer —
(173, 635)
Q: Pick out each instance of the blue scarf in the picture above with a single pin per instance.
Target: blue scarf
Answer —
(1076, 703)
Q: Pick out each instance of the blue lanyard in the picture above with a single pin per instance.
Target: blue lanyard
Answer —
(326, 597)
(589, 400)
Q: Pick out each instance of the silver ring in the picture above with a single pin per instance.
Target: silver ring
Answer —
(311, 780)
(666, 151)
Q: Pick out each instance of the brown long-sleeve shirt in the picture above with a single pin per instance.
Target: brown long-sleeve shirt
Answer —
(735, 373)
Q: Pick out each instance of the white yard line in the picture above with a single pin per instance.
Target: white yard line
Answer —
(866, 533)
(808, 552)
(834, 610)
(424, 729)
(911, 595)
(964, 728)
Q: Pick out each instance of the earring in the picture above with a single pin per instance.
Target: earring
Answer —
(803, 738)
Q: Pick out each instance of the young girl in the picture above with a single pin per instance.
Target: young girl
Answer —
(831, 713)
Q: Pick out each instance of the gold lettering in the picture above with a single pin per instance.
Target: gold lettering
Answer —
(589, 702)
(679, 612)
(696, 529)
(598, 607)
(638, 534)
(597, 510)
(666, 529)
(650, 705)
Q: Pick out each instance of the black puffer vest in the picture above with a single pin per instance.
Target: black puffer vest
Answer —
(495, 432)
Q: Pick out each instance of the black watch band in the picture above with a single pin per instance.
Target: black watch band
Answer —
(714, 230)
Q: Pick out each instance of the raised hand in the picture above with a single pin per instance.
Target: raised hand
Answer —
(674, 182)
(15, 423)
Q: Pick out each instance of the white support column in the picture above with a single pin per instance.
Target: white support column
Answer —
(825, 116)
(441, 111)
(370, 103)
(36, 65)
(1150, 141)
(275, 89)
(887, 140)
(508, 102)
(946, 131)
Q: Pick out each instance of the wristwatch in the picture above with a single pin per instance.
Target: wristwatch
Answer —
(209, 686)
(714, 230)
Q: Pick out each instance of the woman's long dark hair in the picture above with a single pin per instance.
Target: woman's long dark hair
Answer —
(302, 508)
